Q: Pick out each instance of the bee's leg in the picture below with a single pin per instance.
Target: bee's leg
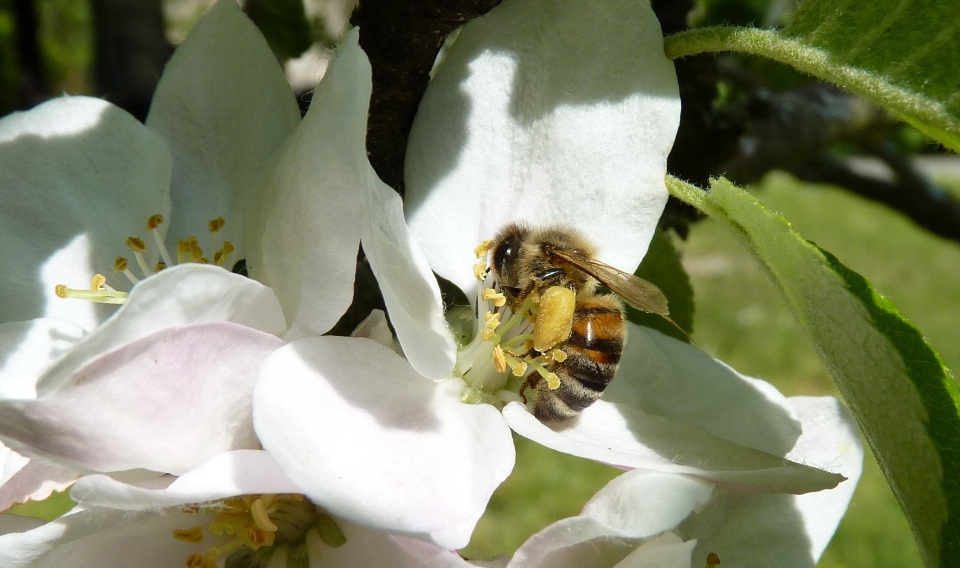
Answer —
(546, 279)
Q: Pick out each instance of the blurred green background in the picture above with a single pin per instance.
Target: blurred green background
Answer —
(740, 316)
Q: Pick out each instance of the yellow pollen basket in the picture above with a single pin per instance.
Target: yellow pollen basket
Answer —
(188, 250)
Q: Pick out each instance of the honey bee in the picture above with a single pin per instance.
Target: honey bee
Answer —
(582, 332)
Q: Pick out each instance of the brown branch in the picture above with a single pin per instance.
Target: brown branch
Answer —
(402, 39)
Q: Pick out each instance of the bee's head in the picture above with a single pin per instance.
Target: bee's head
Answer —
(505, 258)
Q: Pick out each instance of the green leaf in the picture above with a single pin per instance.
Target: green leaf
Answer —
(902, 55)
(903, 397)
(662, 267)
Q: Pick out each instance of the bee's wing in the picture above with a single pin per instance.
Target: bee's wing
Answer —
(636, 291)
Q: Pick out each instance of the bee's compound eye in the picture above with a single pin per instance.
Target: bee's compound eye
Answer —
(505, 255)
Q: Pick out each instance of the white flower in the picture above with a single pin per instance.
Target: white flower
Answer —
(165, 382)
(649, 519)
(546, 113)
(239, 505)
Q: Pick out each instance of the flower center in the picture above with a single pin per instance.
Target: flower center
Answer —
(188, 250)
(249, 529)
(498, 363)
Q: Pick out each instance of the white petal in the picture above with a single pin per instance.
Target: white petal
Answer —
(313, 200)
(180, 295)
(674, 379)
(28, 348)
(786, 530)
(409, 287)
(367, 548)
(626, 436)
(664, 551)
(535, 114)
(77, 177)
(223, 107)
(640, 504)
(375, 327)
(10, 523)
(166, 402)
(373, 442)
(574, 542)
(240, 472)
(103, 538)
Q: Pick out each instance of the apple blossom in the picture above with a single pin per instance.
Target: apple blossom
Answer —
(165, 382)
(534, 115)
(237, 508)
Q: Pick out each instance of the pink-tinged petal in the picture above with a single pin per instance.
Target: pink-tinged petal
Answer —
(370, 440)
(670, 378)
(166, 402)
(787, 530)
(409, 287)
(625, 436)
(28, 348)
(177, 296)
(304, 242)
(536, 115)
(35, 481)
(239, 472)
(368, 548)
(103, 538)
(640, 504)
(223, 107)
(77, 177)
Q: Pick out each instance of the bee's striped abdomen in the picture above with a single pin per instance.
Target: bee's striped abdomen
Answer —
(592, 354)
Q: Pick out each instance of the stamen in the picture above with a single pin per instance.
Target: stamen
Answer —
(553, 381)
(558, 355)
(120, 265)
(483, 248)
(712, 560)
(100, 296)
(200, 561)
(193, 534)
(491, 295)
(137, 246)
(221, 255)
(152, 223)
(480, 271)
(214, 226)
(259, 513)
(499, 359)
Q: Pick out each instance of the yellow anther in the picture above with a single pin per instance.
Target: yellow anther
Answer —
(183, 246)
(558, 355)
(215, 225)
(154, 221)
(258, 510)
(519, 369)
(98, 282)
(120, 264)
(223, 253)
(200, 561)
(136, 244)
(61, 291)
(480, 271)
(491, 295)
(193, 534)
(712, 560)
(483, 248)
(487, 334)
(160, 265)
(255, 537)
(499, 359)
(491, 319)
